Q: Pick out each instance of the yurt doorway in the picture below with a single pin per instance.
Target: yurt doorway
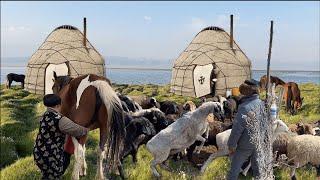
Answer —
(202, 79)
(60, 69)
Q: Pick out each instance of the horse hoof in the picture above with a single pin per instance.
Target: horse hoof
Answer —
(75, 177)
(202, 170)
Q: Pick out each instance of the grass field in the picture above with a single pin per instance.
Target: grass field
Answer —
(19, 125)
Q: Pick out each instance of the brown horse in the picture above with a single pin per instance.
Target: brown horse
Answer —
(289, 100)
(90, 101)
(296, 99)
(273, 79)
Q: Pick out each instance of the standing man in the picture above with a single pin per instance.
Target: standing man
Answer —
(239, 143)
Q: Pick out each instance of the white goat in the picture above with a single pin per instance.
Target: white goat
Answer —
(222, 143)
(181, 134)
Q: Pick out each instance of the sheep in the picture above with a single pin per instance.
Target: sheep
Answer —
(301, 128)
(170, 107)
(222, 142)
(303, 149)
(155, 116)
(280, 144)
(181, 134)
(146, 102)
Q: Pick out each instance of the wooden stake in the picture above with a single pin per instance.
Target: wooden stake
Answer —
(231, 31)
(85, 32)
(269, 58)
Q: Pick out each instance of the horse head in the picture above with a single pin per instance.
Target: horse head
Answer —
(59, 82)
(299, 103)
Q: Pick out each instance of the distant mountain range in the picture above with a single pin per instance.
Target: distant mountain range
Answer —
(122, 62)
(116, 61)
(111, 61)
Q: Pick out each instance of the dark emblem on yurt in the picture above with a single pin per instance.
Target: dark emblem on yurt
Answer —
(201, 79)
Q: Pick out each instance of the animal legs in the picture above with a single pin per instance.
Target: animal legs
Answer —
(245, 170)
(79, 158)
(211, 158)
(10, 82)
(293, 171)
(101, 155)
(158, 159)
(83, 170)
(203, 140)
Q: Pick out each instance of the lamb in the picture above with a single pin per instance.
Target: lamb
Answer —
(303, 149)
(181, 134)
(222, 142)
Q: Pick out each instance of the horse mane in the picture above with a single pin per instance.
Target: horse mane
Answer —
(277, 80)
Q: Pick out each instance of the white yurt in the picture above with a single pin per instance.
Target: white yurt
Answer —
(66, 51)
(212, 64)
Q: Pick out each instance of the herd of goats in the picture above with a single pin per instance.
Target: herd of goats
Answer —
(150, 123)
(178, 131)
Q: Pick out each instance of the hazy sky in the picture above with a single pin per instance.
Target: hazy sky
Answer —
(161, 30)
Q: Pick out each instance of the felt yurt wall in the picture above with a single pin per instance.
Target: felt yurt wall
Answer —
(66, 51)
(231, 66)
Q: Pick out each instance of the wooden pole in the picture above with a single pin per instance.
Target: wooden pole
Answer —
(231, 31)
(85, 32)
(269, 58)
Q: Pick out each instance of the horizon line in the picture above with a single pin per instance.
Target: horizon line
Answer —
(168, 69)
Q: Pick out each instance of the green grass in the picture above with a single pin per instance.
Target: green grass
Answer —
(19, 126)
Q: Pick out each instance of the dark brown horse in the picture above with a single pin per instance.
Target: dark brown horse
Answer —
(289, 101)
(273, 79)
(296, 100)
(15, 77)
(90, 101)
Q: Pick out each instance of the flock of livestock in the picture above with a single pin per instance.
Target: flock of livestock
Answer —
(168, 129)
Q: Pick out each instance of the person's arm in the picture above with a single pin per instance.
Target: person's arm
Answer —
(237, 129)
(67, 126)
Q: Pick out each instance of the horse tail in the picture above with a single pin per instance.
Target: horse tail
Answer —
(116, 130)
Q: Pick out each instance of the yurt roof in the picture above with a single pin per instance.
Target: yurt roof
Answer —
(65, 43)
(212, 45)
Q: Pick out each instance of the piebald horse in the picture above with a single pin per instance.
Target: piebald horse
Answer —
(90, 101)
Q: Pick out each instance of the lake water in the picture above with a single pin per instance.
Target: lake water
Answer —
(132, 76)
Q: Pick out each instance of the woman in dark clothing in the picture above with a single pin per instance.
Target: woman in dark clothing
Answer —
(49, 154)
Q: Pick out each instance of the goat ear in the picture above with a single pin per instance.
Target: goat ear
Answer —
(55, 75)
